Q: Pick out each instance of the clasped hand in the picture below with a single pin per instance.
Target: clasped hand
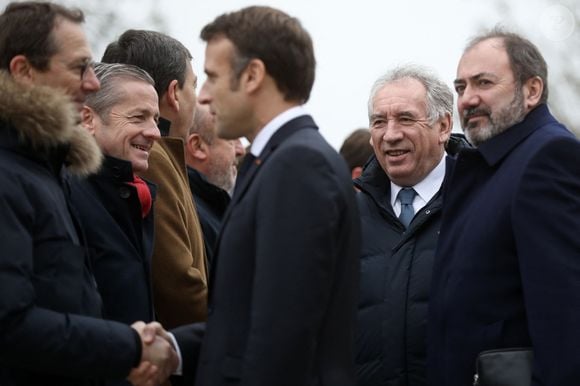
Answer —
(158, 359)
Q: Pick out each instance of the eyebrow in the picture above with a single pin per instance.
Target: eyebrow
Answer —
(140, 110)
(474, 77)
(400, 113)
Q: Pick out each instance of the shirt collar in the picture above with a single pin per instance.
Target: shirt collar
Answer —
(428, 187)
(271, 127)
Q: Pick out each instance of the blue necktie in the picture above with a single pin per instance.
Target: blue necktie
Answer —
(406, 196)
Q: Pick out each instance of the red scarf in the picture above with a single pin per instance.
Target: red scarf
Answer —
(143, 193)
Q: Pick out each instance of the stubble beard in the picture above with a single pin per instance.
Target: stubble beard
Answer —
(497, 122)
(222, 177)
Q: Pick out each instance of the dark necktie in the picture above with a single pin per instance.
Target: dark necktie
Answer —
(249, 158)
(406, 196)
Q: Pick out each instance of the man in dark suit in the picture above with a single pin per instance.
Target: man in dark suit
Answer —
(507, 269)
(283, 282)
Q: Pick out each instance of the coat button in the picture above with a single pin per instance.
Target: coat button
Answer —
(116, 171)
(428, 211)
(124, 192)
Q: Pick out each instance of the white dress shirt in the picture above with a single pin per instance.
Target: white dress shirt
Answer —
(272, 127)
(425, 189)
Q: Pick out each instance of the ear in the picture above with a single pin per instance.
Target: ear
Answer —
(197, 147)
(253, 76)
(532, 90)
(444, 125)
(88, 119)
(356, 172)
(172, 95)
(21, 69)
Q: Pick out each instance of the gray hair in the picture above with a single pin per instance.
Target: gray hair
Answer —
(439, 99)
(526, 61)
(109, 75)
(202, 124)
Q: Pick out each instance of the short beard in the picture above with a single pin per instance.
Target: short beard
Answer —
(221, 177)
(498, 122)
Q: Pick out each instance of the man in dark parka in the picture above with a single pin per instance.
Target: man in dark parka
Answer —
(410, 122)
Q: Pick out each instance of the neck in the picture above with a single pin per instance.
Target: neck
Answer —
(268, 111)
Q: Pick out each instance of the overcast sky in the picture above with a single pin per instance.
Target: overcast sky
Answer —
(357, 41)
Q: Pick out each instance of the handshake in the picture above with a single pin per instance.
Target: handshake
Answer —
(159, 357)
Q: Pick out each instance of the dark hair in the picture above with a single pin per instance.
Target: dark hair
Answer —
(109, 75)
(276, 39)
(356, 148)
(162, 56)
(526, 61)
(26, 29)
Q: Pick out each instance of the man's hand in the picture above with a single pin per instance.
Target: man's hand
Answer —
(144, 375)
(158, 359)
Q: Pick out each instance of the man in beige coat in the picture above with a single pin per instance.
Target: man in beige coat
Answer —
(179, 264)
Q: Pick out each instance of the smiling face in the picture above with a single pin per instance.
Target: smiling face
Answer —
(130, 129)
(489, 99)
(65, 67)
(405, 144)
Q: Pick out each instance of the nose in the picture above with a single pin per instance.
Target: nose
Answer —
(203, 97)
(469, 98)
(89, 81)
(392, 132)
(152, 132)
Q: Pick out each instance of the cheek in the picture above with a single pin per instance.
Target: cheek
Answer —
(376, 139)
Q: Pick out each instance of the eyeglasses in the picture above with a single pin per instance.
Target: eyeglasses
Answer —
(379, 122)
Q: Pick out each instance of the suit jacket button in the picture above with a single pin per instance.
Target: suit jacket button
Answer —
(116, 171)
(124, 192)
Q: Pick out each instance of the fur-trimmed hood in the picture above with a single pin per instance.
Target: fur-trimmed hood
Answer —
(45, 118)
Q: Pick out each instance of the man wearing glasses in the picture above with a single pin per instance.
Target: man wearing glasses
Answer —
(400, 200)
(50, 327)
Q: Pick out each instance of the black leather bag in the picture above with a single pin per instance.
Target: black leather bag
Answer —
(504, 367)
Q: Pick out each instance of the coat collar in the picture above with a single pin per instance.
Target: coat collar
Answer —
(286, 131)
(215, 196)
(43, 120)
(289, 128)
(498, 147)
(117, 169)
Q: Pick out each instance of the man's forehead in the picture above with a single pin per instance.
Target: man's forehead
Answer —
(70, 39)
(403, 95)
(488, 57)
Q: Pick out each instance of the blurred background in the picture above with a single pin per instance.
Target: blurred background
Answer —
(357, 41)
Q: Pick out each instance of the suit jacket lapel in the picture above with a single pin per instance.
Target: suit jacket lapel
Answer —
(289, 128)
